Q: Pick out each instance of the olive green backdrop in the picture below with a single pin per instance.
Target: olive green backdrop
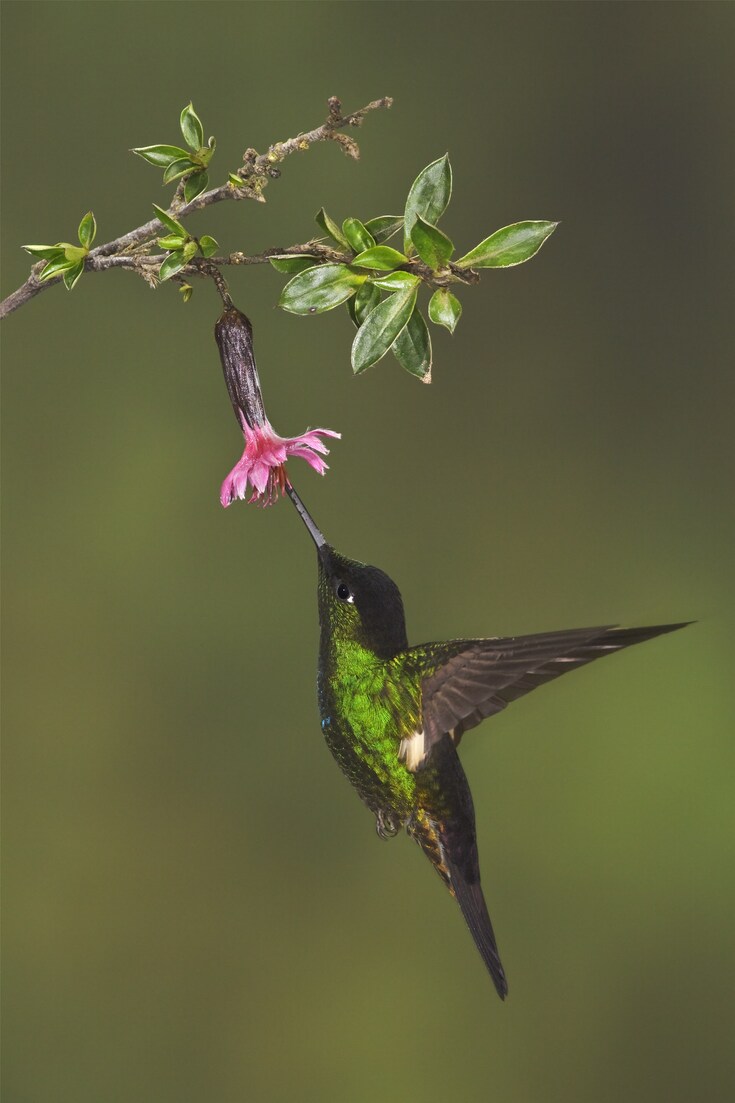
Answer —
(196, 904)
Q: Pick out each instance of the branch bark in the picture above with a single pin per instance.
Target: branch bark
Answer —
(256, 172)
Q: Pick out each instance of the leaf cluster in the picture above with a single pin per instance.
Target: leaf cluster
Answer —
(181, 247)
(380, 284)
(189, 165)
(63, 258)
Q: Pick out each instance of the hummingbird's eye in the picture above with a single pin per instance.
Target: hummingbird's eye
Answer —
(344, 593)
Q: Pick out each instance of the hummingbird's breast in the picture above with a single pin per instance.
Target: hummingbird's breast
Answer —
(365, 714)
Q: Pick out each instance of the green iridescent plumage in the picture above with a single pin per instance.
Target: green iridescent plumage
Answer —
(392, 715)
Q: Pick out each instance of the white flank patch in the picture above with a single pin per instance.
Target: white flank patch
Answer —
(411, 751)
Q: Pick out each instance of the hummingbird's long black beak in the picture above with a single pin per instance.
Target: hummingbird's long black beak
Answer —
(315, 533)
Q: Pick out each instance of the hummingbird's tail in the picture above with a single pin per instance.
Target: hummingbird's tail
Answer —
(452, 850)
(470, 898)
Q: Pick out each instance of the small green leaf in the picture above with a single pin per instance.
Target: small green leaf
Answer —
(56, 267)
(169, 221)
(395, 281)
(384, 226)
(160, 156)
(331, 228)
(74, 253)
(380, 329)
(365, 301)
(381, 257)
(173, 241)
(195, 184)
(445, 309)
(178, 168)
(358, 237)
(72, 275)
(434, 247)
(412, 347)
(208, 245)
(320, 288)
(46, 252)
(429, 195)
(191, 127)
(174, 262)
(508, 246)
(87, 230)
(236, 180)
(204, 156)
(291, 263)
(186, 291)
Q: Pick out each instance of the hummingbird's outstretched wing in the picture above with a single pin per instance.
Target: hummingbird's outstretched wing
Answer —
(468, 680)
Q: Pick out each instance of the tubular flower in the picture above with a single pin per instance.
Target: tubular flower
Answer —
(262, 465)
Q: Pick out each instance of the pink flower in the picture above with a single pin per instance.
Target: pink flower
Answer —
(262, 466)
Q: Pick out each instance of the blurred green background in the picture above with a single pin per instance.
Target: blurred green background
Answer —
(196, 905)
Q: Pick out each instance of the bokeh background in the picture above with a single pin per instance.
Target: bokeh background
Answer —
(196, 905)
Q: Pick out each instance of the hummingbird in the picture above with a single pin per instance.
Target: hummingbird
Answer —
(393, 715)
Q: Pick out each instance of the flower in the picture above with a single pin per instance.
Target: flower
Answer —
(262, 465)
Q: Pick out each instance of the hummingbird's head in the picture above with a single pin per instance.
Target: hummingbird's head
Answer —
(360, 603)
(356, 602)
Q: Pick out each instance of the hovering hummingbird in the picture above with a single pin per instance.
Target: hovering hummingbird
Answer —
(393, 715)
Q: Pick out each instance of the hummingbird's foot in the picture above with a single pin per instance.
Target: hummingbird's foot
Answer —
(385, 825)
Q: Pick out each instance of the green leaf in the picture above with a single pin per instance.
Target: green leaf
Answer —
(381, 257)
(445, 309)
(206, 152)
(331, 228)
(290, 263)
(186, 291)
(169, 221)
(46, 252)
(178, 168)
(195, 184)
(384, 226)
(365, 301)
(74, 253)
(160, 156)
(395, 281)
(56, 267)
(208, 246)
(191, 127)
(236, 180)
(173, 241)
(412, 347)
(434, 247)
(380, 329)
(87, 230)
(428, 197)
(174, 262)
(72, 275)
(511, 245)
(356, 234)
(320, 288)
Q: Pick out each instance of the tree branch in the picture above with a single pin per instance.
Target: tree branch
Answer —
(256, 172)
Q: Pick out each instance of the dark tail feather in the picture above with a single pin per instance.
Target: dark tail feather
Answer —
(474, 909)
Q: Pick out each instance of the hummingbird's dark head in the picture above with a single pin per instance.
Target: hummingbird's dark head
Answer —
(356, 602)
(360, 603)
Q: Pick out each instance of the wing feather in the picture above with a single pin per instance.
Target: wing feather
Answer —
(466, 681)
